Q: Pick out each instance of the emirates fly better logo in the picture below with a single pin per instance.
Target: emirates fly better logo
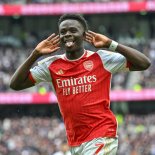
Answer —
(72, 86)
(88, 65)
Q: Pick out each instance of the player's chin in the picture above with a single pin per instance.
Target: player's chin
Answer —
(70, 49)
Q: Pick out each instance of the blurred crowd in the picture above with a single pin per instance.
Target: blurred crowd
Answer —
(19, 35)
(11, 58)
(46, 136)
(32, 136)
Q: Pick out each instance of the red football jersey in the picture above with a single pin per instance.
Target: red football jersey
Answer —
(82, 88)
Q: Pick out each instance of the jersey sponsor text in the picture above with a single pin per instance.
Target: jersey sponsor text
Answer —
(76, 85)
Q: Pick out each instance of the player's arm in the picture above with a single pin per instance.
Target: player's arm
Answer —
(20, 79)
(137, 59)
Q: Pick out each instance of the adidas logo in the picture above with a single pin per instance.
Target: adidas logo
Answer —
(60, 72)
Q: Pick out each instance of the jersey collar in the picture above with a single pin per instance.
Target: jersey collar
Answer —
(83, 55)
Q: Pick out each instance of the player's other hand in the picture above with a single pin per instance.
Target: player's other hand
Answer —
(49, 45)
(97, 40)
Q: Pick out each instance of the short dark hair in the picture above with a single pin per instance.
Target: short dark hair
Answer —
(77, 17)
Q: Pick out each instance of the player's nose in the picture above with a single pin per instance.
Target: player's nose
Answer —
(68, 33)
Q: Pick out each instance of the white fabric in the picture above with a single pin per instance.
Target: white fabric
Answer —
(113, 62)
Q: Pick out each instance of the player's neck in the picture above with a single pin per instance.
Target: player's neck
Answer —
(73, 55)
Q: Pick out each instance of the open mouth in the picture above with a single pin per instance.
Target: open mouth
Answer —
(69, 43)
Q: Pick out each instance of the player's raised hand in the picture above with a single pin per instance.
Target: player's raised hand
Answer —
(49, 45)
(98, 40)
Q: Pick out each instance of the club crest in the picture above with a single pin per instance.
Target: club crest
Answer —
(88, 65)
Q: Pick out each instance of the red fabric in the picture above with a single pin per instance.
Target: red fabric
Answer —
(82, 89)
(31, 77)
(128, 64)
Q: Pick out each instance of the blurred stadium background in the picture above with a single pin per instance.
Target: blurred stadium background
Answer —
(30, 121)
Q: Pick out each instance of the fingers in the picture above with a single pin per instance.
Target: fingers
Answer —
(56, 48)
(88, 40)
(90, 36)
(53, 40)
(51, 46)
(92, 33)
(50, 37)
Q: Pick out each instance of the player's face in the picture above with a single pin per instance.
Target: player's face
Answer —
(71, 35)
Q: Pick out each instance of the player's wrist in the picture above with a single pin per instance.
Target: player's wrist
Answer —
(113, 45)
(36, 53)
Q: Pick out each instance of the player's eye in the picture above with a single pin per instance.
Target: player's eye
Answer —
(62, 32)
(73, 30)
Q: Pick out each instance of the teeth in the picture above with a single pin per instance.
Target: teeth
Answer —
(69, 43)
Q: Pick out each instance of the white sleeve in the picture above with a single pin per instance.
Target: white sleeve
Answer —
(113, 62)
(41, 73)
